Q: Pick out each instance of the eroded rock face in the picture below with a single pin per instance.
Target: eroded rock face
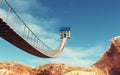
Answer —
(80, 73)
(13, 68)
(60, 69)
(109, 64)
(110, 61)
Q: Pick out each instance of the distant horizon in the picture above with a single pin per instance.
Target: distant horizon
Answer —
(93, 25)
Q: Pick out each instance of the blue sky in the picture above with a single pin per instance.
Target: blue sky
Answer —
(93, 24)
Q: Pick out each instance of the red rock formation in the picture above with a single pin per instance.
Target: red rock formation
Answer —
(110, 61)
(59, 69)
(12, 68)
(109, 64)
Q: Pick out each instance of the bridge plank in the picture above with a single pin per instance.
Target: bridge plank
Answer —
(11, 36)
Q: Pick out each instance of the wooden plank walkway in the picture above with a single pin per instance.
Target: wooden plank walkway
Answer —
(7, 33)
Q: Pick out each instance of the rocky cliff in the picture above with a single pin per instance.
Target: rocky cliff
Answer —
(60, 69)
(12, 68)
(110, 61)
(109, 64)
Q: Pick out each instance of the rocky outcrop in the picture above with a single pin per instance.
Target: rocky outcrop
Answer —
(12, 68)
(80, 73)
(59, 69)
(109, 64)
(110, 61)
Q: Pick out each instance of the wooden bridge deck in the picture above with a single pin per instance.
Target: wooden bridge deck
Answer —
(7, 33)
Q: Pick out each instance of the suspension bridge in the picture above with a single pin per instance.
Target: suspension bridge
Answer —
(14, 30)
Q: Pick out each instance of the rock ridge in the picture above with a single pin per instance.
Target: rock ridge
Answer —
(109, 64)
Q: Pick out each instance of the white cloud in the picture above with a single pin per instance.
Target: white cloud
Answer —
(74, 56)
(80, 56)
(47, 23)
(49, 38)
(26, 6)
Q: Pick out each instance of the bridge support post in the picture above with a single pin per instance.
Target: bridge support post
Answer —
(14, 20)
(8, 14)
(1, 3)
(19, 26)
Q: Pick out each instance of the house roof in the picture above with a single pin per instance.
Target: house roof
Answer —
(65, 29)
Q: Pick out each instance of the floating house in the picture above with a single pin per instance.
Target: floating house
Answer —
(65, 32)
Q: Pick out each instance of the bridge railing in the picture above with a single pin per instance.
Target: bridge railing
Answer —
(9, 15)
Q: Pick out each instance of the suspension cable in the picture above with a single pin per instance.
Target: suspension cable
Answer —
(25, 24)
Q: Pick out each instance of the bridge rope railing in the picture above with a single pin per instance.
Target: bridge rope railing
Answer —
(22, 29)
